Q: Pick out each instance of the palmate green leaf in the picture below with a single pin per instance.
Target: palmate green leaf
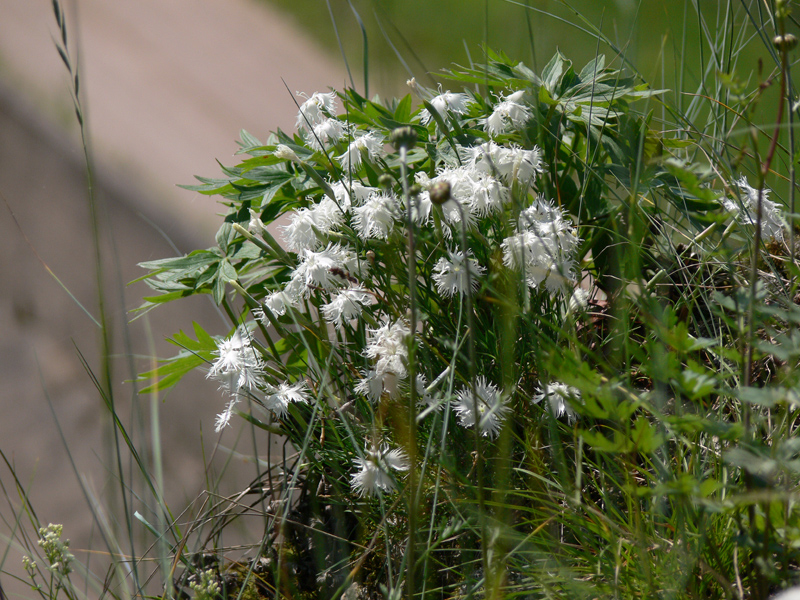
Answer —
(208, 185)
(553, 73)
(642, 437)
(195, 353)
(248, 141)
(768, 396)
(593, 68)
(692, 424)
(193, 261)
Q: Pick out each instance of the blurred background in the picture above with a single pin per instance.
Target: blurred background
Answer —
(166, 87)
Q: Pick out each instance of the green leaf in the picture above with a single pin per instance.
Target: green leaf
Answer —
(248, 140)
(552, 73)
(192, 261)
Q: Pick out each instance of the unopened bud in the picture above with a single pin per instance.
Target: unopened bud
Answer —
(385, 181)
(415, 190)
(785, 42)
(371, 258)
(403, 137)
(440, 192)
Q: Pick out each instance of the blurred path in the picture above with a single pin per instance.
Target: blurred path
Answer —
(168, 85)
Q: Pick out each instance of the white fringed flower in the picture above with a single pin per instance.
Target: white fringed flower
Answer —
(773, 224)
(450, 274)
(346, 305)
(307, 224)
(325, 134)
(492, 409)
(446, 102)
(370, 386)
(376, 217)
(322, 269)
(511, 164)
(366, 144)
(277, 302)
(316, 109)
(509, 114)
(224, 418)
(238, 364)
(279, 399)
(349, 193)
(372, 474)
(543, 249)
(387, 346)
(488, 195)
(558, 396)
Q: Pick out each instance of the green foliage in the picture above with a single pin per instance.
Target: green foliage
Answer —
(651, 459)
(577, 378)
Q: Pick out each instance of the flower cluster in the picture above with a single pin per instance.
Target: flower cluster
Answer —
(240, 369)
(56, 550)
(347, 239)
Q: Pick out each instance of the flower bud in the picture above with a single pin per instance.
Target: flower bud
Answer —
(785, 42)
(415, 190)
(371, 258)
(385, 181)
(403, 137)
(283, 152)
(440, 192)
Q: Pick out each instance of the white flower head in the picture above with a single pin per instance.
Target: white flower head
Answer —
(773, 224)
(375, 218)
(511, 164)
(509, 114)
(315, 109)
(558, 396)
(373, 471)
(368, 144)
(223, 419)
(322, 269)
(523, 165)
(279, 399)
(238, 364)
(388, 347)
(346, 305)
(277, 302)
(544, 248)
(450, 274)
(492, 408)
(325, 134)
(351, 193)
(446, 102)
(425, 398)
(488, 195)
(306, 225)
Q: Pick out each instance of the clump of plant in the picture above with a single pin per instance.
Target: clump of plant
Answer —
(520, 338)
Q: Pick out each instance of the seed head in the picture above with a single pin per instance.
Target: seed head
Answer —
(403, 137)
(440, 192)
